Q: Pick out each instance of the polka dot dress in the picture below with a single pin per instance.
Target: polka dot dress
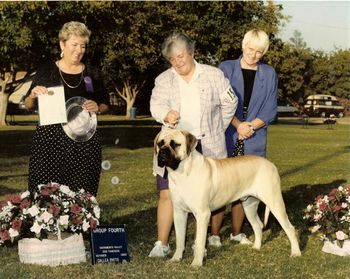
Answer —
(57, 158)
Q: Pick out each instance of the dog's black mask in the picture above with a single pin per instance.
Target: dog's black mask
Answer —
(166, 159)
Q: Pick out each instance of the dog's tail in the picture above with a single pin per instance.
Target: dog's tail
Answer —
(266, 218)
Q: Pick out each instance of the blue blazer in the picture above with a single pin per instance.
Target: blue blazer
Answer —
(263, 104)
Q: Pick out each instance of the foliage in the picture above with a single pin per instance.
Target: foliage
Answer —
(54, 208)
(127, 35)
(329, 215)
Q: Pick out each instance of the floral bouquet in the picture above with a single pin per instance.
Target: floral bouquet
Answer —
(329, 215)
(52, 209)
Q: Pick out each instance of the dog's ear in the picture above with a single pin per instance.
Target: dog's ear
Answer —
(155, 143)
(191, 142)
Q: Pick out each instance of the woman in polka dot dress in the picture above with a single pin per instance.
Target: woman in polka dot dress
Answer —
(54, 156)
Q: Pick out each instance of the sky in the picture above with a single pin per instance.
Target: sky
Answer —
(324, 25)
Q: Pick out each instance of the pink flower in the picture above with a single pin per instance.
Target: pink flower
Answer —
(15, 199)
(25, 204)
(74, 208)
(54, 210)
(17, 224)
(319, 197)
(45, 192)
(341, 235)
(336, 208)
(2, 204)
(4, 235)
(93, 223)
(333, 192)
(323, 206)
(77, 221)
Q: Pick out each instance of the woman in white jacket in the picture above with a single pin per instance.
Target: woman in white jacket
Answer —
(193, 97)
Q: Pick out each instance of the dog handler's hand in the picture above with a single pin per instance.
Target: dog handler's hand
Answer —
(37, 90)
(172, 118)
(90, 106)
(245, 130)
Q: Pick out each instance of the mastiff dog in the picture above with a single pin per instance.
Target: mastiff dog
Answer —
(200, 185)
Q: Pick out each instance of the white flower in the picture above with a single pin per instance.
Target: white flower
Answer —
(64, 220)
(65, 189)
(97, 212)
(344, 205)
(13, 233)
(25, 195)
(86, 225)
(309, 207)
(317, 217)
(36, 228)
(34, 210)
(341, 235)
(65, 204)
(46, 216)
(315, 228)
(39, 187)
(93, 199)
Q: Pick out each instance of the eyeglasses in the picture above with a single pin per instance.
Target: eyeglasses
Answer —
(255, 52)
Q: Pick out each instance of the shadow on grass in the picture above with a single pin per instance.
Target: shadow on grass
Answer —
(130, 134)
(296, 200)
(4, 190)
(131, 137)
(141, 225)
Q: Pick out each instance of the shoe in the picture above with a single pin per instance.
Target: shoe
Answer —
(205, 250)
(214, 240)
(241, 238)
(159, 250)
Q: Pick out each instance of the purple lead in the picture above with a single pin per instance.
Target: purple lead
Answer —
(88, 84)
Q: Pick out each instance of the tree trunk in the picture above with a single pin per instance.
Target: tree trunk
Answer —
(3, 108)
(4, 98)
(129, 94)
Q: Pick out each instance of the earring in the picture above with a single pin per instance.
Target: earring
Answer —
(61, 54)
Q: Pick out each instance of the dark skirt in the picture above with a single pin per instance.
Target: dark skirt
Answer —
(57, 158)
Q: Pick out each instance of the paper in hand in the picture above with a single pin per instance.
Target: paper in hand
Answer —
(52, 106)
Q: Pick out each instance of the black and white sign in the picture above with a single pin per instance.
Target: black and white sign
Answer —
(109, 244)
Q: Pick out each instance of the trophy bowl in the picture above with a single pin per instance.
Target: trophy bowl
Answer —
(81, 125)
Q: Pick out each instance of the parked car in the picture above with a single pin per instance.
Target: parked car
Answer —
(286, 109)
(323, 105)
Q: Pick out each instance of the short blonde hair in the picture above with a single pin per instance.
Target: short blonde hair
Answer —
(74, 28)
(256, 38)
(177, 40)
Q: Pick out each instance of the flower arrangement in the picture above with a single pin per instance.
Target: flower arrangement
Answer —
(52, 209)
(329, 215)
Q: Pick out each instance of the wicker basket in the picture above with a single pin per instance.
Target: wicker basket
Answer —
(70, 250)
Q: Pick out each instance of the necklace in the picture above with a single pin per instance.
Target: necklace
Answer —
(66, 83)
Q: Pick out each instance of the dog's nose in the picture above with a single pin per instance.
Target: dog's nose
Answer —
(163, 157)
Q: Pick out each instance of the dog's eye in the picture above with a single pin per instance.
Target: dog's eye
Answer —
(173, 144)
(160, 143)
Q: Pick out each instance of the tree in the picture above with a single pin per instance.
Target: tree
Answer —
(297, 40)
(127, 35)
(128, 94)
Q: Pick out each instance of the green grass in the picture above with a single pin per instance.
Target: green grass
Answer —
(310, 161)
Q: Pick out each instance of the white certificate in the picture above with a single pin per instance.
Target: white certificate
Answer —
(52, 106)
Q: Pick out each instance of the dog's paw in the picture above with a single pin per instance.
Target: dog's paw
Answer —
(197, 263)
(295, 254)
(176, 258)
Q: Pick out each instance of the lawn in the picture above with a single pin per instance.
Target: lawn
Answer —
(310, 160)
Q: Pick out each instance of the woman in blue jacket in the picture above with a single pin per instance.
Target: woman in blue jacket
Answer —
(255, 85)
